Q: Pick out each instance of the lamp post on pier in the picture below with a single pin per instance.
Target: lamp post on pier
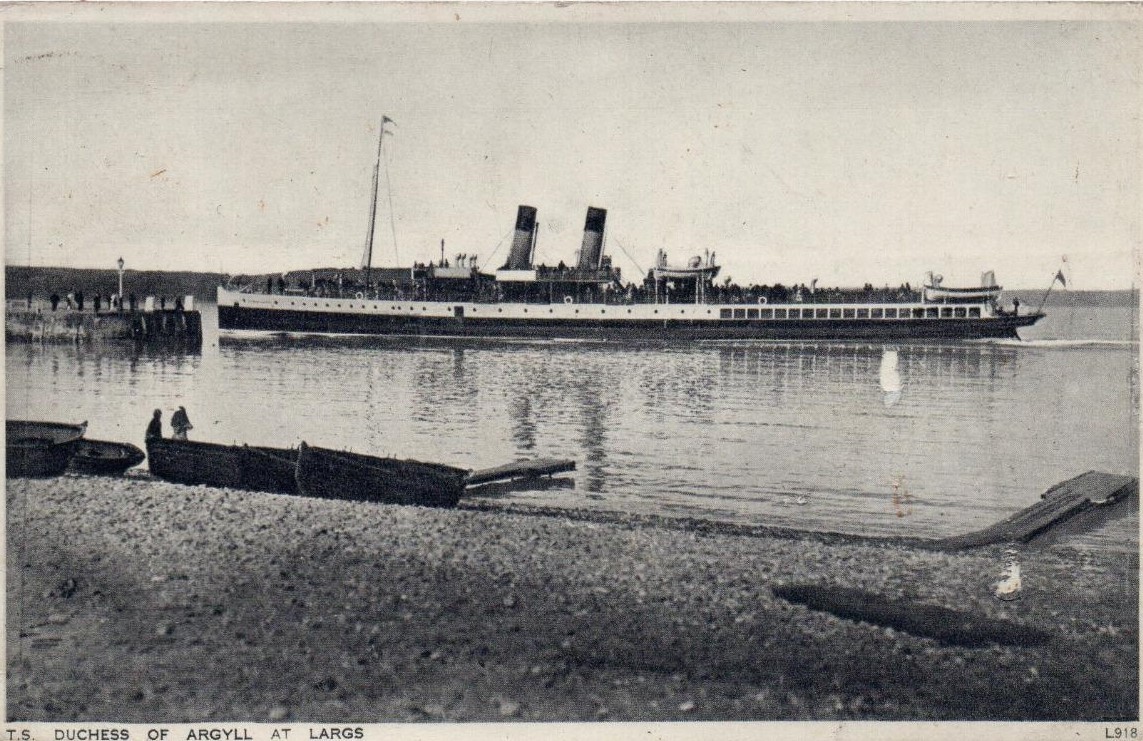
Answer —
(120, 263)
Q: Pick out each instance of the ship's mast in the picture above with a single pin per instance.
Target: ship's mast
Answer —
(367, 258)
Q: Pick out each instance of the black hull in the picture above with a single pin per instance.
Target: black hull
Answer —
(228, 466)
(101, 458)
(331, 474)
(281, 320)
(39, 449)
(39, 462)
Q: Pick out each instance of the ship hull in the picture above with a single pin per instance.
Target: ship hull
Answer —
(684, 329)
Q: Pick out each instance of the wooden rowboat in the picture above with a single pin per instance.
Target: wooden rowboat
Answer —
(229, 466)
(104, 458)
(332, 474)
(40, 448)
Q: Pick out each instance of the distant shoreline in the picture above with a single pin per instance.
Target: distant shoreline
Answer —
(41, 282)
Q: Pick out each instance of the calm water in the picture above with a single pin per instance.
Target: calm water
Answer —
(909, 440)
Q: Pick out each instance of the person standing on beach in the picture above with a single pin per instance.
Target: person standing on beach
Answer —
(155, 428)
(180, 423)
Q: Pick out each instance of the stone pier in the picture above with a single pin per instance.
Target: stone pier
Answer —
(38, 323)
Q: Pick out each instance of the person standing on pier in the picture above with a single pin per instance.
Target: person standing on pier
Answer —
(181, 424)
(155, 428)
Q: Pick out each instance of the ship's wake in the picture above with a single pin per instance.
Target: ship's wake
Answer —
(1062, 344)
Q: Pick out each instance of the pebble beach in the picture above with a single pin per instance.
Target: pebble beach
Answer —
(136, 600)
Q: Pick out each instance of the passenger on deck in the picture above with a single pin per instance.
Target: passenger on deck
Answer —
(55, 299)
(1016, 307)
(155, 428)
(181, 424)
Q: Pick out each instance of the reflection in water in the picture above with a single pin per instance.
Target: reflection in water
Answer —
(890, 376)
(593, 436)
(741, 432)
(791, 365)
(523, 423)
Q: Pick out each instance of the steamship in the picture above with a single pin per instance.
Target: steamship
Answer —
(590, 301)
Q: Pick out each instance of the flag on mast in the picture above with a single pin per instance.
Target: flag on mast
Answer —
(1060, 278)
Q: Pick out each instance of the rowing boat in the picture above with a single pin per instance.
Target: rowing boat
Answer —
(231, 466)
(333, 474)
(105, 458)
(40, 448)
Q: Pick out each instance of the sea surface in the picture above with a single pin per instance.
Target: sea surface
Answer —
(907, 439)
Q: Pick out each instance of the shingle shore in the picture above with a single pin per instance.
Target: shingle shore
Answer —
(138, 600)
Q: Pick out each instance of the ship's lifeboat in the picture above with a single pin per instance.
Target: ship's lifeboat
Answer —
(986, 291)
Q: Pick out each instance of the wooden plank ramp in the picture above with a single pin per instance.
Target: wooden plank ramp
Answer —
(532, 469)
(1076, 499)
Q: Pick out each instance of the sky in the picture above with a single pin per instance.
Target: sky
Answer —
(849, 152)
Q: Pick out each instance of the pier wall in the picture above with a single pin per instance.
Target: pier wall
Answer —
(69, 325)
